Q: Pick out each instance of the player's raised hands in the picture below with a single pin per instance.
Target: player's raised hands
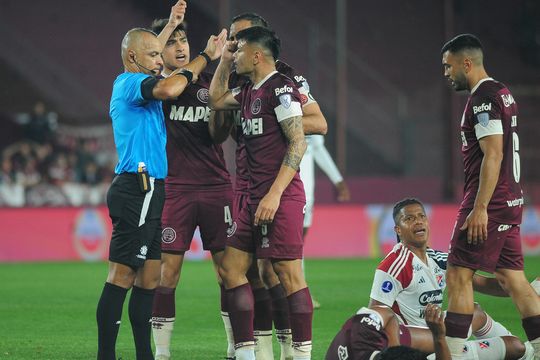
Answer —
(178, 11)
(229, 49)
(476, 226)
(214, 46)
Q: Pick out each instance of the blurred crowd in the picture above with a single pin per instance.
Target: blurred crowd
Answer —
(49, 168)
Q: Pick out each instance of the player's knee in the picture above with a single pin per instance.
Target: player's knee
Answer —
(458, 277)
(268, 275)
(479, 317)
(169, 276)
(511, 283)
(515, 349)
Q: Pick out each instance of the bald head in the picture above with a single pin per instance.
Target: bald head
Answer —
(141, 51)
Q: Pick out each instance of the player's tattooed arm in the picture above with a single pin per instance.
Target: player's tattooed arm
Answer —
(294, 132)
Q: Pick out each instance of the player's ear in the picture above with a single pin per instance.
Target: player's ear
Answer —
(467, 64)
(256, 57)
(397, 230)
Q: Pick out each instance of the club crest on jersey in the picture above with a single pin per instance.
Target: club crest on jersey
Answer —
(483, 119)
(440, 280)
(285, 100)
(168, 235)
(256, 106)
(202, 95)
(483, 344)
(387, 287)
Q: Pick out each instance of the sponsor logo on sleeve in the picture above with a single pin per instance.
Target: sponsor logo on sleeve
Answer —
(480, 108)
(285, 100)
(507, 99)
(483, 119)
(283, 90)
(387, 287)
(256, 106)
(343, 354)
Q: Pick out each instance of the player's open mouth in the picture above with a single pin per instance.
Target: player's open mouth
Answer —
(181, 57)
(420, 232)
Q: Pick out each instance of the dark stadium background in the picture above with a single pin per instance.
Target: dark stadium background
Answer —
(375, 69)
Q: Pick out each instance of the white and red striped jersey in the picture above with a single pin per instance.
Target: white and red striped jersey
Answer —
(405, 283)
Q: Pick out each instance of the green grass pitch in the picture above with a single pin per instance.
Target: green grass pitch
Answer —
(47, 310)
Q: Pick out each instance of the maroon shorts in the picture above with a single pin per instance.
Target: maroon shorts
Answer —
(185, 210)
(280, 240)
(240, 202)
(502, 249)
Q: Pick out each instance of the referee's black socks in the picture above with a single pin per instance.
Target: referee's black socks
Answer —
(108, 315)
(140, 313)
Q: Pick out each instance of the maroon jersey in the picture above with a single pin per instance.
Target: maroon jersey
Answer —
(361, 335)
(241, 183)
(263, 106)
(491, 110)
(242, 173)
(195, 162)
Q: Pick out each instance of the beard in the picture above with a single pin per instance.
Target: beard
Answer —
(460, 83)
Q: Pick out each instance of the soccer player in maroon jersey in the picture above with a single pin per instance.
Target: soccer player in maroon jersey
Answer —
(271, 226)
(269, 295)
(486, 234)
(198, 187)
(374, 333)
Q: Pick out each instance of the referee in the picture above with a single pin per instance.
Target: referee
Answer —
(136, 196)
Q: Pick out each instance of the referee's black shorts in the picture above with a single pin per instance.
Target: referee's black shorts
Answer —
(136, 219)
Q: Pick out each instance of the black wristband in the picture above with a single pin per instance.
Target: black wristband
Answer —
(188, 74)
(206, 57)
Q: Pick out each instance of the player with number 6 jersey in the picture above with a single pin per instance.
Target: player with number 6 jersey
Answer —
(487, 233)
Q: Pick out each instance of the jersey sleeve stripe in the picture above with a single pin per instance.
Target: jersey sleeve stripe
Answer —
(399, 264)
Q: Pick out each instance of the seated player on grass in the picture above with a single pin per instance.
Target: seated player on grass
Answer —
(412, 276)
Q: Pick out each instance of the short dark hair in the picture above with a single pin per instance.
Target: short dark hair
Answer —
(158, 25)
(254, 18)
(462, 42)
(400, 353)
(264, 37)
(401, 204)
